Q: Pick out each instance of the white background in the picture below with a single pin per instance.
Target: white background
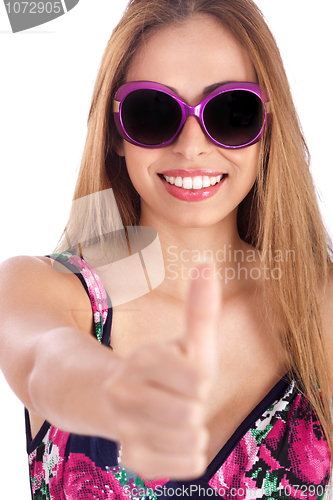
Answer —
(46, 80)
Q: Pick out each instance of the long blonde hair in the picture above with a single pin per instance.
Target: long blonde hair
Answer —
(280, 212)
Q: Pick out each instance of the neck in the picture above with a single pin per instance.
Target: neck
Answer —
(184, 248)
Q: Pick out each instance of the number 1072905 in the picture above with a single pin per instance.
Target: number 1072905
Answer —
(33, 7)
(304, 490)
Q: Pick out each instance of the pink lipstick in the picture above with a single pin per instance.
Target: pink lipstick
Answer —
(192, 194)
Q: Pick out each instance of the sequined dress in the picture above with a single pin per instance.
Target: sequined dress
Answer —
(278, 451)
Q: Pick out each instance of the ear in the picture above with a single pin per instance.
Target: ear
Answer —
(119, 148)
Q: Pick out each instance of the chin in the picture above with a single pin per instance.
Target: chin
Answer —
(194, 221)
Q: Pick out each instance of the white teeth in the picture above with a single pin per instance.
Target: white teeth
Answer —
(205, 181)
(187, 182)
(197, 182)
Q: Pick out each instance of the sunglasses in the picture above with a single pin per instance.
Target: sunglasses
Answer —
(151, 115)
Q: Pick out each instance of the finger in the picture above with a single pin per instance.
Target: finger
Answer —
(201, 314)
(166, 367)
(166, 438)
(153, 465)
(157, 403)
(170, 409)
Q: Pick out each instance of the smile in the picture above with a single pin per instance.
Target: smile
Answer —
(198, 182)
(195, 188)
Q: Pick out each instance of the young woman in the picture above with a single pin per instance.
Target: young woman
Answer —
(219, 379)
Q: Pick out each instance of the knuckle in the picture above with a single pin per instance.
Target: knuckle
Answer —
(196, 465)
(189, 466)
(147, 467)
(138, 359)
(196, 439)
(141, 460)
(196, 379)
(126, 398)
(143, 358)
(129, 432)
(189, 413)
(129, 455)
(122, 396)
(137, 402)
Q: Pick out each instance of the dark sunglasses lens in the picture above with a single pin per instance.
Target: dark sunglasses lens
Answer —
(234, 118)
(150, 117)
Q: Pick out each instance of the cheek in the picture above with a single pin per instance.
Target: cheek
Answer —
(138, 162)
(245, 160)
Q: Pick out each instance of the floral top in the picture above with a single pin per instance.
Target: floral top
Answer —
(278, 451)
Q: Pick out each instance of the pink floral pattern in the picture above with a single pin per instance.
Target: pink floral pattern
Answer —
(97, 293)
(284, 455)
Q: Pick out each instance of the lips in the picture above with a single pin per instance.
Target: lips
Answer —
(191, 194)
(191, 173)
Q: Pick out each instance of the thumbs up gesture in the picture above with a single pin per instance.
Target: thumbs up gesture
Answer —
(161, 391)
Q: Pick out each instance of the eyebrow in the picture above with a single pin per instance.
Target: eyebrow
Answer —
(211, 88)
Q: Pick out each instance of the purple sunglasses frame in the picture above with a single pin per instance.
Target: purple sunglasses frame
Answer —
(186, 110)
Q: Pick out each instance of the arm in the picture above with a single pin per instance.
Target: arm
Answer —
(53, 366)
(153, 401)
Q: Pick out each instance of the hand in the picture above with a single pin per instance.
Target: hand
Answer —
(160, 394)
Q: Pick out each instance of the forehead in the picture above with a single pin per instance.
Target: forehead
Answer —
(191, 56)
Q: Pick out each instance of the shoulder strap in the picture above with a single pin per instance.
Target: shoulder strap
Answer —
(99, 298)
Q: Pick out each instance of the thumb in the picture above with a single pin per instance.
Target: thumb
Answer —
(201, 315)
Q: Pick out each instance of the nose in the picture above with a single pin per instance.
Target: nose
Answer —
(192, 141)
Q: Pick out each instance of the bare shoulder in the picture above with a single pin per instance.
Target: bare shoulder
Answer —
(35, 299)
(33, 284)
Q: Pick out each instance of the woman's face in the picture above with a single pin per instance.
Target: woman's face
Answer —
(189, 58)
